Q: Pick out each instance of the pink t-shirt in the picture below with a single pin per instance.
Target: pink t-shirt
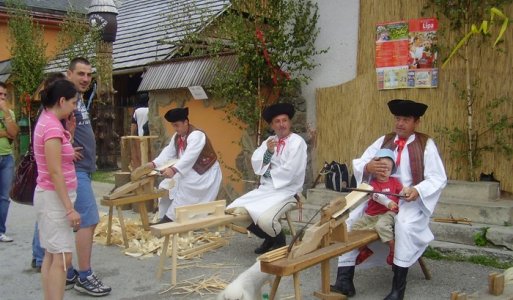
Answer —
(48, 127)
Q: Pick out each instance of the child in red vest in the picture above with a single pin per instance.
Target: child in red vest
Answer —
(381, 209)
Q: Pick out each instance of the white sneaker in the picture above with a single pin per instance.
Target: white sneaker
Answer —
(4, 238)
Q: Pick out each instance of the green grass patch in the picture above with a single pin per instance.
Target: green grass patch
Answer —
(475, 259)
(103, 176)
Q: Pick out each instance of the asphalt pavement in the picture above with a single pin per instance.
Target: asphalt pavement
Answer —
(133, 278)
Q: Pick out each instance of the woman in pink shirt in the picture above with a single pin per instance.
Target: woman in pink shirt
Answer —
(56, 185)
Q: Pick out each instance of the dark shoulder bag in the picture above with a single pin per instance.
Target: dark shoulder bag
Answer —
(24, 182)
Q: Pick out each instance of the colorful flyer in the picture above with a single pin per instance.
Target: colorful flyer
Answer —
(406, 54)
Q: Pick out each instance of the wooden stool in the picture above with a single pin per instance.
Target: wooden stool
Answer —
(185, 222)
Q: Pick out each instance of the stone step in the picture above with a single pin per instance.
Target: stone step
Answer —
(471, 191)
(498, 212)
(505, 256)
(501, 236)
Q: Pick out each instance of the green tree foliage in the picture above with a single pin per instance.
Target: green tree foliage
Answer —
(27, 51)
(464, 17)
(288, 30)
(274, 42)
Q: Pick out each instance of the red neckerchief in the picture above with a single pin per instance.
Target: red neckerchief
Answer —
(181, 143)
(281, 145)
(401, 142)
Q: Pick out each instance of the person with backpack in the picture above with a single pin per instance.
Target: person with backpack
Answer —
(420, 169)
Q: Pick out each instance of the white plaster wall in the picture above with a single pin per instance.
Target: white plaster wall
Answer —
(338, 23)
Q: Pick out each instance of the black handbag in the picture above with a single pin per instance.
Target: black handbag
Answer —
(25, 177)
(24, 183)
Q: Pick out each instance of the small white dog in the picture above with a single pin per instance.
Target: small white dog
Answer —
(247, 286)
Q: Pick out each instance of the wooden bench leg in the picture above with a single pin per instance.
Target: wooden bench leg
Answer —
(289, 221)
(425, 270)
(163, 256)
(109, 225)
(297, 285)
(274, 288)
(174, 259)
(122, 225)
(143, 212)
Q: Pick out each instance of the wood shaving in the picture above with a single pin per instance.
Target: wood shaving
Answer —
(142, 244)
(200, 285)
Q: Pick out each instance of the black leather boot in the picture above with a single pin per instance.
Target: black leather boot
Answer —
(280, 240)
(268, 240)
(398, 283)
(266, 246)
(257, 231)
(344, 284)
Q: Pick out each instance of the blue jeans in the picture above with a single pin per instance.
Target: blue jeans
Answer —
(85, 204)
(6, 177)
(38, 253)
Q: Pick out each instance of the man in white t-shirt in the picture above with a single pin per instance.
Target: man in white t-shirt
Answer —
(140, 118)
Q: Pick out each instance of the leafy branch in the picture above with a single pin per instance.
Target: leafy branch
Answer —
(27, 51)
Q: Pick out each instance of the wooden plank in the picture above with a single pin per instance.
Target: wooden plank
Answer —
(353, 198)
(126, 188)
(311, 240)
(285, 266)
(134, 199)
(160, 230)
(206, 208)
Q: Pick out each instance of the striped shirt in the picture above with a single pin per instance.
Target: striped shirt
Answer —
(49, 127)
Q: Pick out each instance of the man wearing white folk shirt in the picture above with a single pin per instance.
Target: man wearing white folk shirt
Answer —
(420, 168)
(280, 161)
(197, 173)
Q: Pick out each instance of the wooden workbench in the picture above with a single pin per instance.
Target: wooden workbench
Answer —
(286, 266)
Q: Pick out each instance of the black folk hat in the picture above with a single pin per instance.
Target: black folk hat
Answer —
(177, 114)
(278, 109)
(407, 108)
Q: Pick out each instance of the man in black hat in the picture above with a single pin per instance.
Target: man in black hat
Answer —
(280, 161)
(196, 172)
(420, 169)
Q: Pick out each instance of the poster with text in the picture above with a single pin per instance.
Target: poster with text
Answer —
(406, 54)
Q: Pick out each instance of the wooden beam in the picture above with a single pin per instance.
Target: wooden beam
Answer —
(134, 199)
(353, 198)
(160, 230)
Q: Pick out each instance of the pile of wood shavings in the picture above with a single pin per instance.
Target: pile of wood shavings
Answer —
(201, 285)
(142, 244)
